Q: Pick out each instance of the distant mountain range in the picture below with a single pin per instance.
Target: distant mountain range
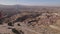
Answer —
(14, 9)
(22, 6)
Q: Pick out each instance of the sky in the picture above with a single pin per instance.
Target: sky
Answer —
(8, 2)
(31, 2)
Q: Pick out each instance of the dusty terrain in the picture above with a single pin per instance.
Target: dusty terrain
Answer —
(32, 21)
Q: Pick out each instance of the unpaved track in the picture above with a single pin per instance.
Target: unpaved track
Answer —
(55, 27)
(23, 27)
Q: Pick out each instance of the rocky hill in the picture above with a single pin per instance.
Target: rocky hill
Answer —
(30, 20)
(31, 23)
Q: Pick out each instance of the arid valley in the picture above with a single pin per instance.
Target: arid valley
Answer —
(18, 19)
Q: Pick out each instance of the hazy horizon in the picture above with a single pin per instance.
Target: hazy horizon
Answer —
(31, 2)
